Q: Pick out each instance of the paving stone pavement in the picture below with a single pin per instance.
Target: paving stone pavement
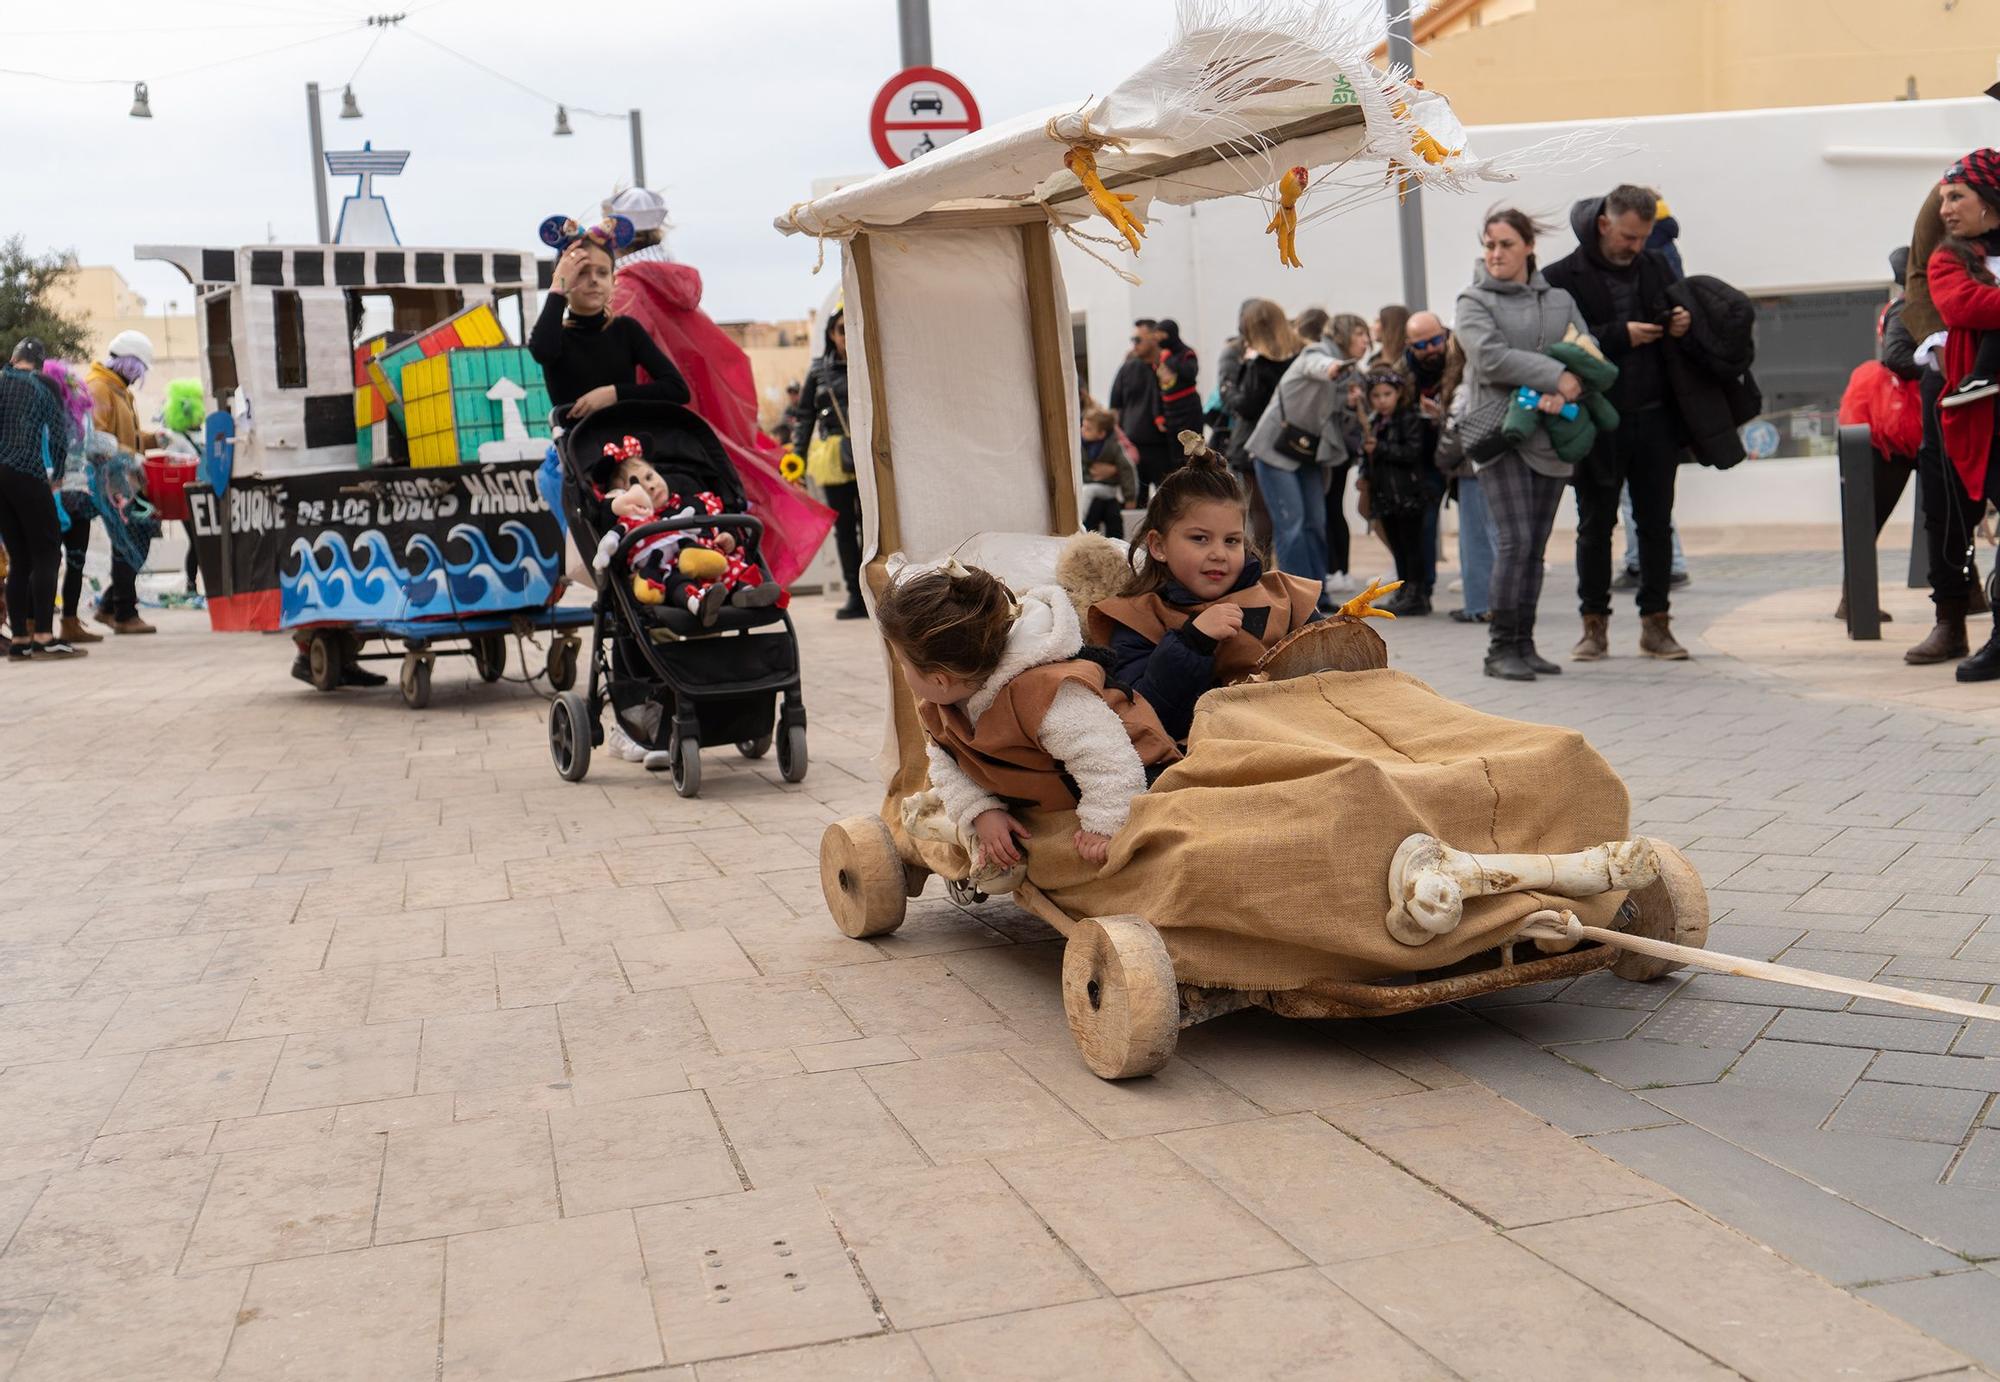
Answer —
(341, 1041)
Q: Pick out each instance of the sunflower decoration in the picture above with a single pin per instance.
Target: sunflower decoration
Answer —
(792, 466)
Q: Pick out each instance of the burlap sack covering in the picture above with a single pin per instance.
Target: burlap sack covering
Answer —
(1263, 856)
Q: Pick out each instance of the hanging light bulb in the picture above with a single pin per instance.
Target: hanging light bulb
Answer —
(142, 109)
(349, 109)
(562, 122)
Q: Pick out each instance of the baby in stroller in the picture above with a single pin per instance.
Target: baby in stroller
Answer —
(697, 569)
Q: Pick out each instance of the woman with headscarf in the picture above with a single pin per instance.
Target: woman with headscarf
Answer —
(1966, 293)
(111, 382)
(822, 411)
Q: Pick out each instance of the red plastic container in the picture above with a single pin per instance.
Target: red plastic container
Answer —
(167, 477)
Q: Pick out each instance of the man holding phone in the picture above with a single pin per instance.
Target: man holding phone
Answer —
(1621, 288)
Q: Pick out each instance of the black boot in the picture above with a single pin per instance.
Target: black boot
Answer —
(1540, 665)
(1983, 665)
(853, 609)
(1503, 650)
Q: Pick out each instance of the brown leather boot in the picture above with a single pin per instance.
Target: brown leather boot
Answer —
(1975, 598)
(1656, 638)
(1840, 611)
(1596, 641)
(73, 631)
(1946, 640)
(133, 625)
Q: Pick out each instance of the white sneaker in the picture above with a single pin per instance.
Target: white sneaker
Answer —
(624, 745)
(1340, 583)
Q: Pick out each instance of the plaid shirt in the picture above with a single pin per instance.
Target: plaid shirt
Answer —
(32, 425)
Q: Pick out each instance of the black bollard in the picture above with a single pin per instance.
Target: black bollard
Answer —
(1857, 533)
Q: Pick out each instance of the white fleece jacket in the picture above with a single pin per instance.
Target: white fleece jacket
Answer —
(1080, 731)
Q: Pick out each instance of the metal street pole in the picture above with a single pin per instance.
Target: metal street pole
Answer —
(638, 151)
(913, 21)
(319, 162)
(1410, 215)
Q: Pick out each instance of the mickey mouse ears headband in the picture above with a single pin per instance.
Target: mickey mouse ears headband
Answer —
(613, 232)
(629, 449)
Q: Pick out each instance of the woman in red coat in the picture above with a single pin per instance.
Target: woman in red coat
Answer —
(1966, 292)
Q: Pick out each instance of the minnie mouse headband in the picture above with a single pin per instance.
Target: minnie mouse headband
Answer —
(613, 232)
(630, 449)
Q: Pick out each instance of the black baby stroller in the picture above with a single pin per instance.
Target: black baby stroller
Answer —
(673, 684)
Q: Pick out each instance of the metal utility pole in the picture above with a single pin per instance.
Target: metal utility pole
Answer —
(638, 151)
(319, 163)
(1409, 215)
(913, 22)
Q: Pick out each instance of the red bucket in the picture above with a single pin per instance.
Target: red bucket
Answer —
(167, 477)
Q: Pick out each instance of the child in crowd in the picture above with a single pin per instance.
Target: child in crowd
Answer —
(1396, 451)
(697, 569)
(1200, 612)
(1014, 717)
(1110, 477)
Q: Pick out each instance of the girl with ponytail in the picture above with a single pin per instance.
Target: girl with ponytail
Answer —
(1200, 612)
(1016, 718)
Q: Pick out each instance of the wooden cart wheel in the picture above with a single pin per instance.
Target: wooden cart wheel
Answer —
(862, 876)
(1121, 996)
(1674, 907)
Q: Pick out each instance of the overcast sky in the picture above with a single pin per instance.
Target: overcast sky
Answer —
(745, 103)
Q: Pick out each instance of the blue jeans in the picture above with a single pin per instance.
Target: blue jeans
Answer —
(1297, 501)
(1475, 544)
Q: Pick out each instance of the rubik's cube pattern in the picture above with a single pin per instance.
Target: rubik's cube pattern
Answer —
(371, 405)
(474, 327)
(446, 411)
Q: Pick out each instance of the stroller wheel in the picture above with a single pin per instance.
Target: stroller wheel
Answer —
(687, 765)
(792, 754)
(755, 748)
(1121, 997)
(569, 735)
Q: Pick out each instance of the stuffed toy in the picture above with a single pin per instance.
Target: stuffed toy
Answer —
(1574, 431)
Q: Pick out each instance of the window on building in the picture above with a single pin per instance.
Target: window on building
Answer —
(288, 330)
(1807, 345)
(508, 307)
(221, 345)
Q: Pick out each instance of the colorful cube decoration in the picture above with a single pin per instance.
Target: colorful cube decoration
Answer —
(466, 406)
(371, 405)
(475, 326)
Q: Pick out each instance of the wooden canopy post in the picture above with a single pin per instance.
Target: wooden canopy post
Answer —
(1059, 426)
(912, 767)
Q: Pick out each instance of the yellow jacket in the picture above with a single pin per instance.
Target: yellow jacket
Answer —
(111, 401)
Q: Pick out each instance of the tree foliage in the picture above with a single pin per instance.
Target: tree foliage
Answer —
(27, 305)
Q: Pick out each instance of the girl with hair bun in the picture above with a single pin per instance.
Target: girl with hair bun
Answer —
(1015, 717)
(1201, 612)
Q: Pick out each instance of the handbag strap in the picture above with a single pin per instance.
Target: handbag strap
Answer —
(839, 413)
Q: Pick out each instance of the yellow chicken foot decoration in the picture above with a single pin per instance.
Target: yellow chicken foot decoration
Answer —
(1362, 606)
(1285, 224)
(1110, 205)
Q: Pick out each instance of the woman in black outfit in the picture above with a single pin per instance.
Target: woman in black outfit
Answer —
(823, 405)
(589, 358)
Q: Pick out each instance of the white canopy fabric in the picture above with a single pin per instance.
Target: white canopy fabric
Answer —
(1232, 82)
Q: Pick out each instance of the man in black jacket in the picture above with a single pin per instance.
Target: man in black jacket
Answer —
(1135, 397)
(1620, 287)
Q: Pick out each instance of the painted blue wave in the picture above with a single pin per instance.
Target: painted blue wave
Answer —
(323, 579)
